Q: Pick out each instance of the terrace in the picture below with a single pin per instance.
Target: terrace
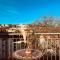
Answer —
(47, 43)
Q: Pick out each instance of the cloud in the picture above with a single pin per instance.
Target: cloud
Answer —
(12, 12)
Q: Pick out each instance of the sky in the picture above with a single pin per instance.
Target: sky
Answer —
(27, 11)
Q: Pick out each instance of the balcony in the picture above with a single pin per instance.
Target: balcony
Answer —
(49, 45)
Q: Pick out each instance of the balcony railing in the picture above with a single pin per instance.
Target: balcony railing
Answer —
(50, 47)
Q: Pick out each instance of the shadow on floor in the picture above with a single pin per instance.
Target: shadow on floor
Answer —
(42, 58)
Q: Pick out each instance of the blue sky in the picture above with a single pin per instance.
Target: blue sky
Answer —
(27, 11)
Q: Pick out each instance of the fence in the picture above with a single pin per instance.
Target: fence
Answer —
(50, 46)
